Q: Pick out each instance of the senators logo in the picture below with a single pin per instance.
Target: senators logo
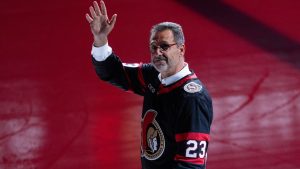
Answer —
(153, 141)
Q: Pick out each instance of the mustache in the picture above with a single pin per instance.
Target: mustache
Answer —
(159, 58)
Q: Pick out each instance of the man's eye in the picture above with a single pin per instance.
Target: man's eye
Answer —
(164, 46)
(153, 47)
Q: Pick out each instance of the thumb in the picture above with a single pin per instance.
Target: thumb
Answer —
(113, 20)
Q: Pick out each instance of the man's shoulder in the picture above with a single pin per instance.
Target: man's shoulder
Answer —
(149, 70)
(192, 86)
(148, 67)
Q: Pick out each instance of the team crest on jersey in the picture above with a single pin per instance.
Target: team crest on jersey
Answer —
(153, 141)
(192, 87)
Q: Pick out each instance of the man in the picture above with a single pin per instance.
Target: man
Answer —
(177, 110)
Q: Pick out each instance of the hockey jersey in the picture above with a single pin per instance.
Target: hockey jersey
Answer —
(175, 119)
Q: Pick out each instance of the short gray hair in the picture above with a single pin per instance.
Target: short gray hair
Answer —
(174, 27)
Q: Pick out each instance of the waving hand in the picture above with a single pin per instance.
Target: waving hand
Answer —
(101, 26)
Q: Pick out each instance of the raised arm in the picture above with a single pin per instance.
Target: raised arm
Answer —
(100, 24)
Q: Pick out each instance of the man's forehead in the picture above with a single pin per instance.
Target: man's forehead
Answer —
(166, 35)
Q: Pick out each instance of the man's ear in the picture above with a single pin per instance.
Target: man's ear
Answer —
(182, 49)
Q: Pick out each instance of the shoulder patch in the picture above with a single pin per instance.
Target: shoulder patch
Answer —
(192, 87)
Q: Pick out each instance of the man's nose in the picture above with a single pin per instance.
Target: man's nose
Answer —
(158, 51)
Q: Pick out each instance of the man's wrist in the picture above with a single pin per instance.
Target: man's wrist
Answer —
(98, 42)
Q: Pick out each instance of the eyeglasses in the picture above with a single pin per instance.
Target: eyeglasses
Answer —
(162, 47)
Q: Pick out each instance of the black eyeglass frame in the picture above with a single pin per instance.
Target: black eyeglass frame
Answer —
(162, 47)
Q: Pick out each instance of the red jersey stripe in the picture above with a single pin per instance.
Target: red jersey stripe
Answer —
(128, 79)
(140, 77)
(163, 89)
(198, 161)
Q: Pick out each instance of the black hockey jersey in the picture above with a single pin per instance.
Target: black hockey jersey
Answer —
(176, 119)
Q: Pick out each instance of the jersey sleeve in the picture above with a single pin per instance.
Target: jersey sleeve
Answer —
(128, 77)
(193, 131)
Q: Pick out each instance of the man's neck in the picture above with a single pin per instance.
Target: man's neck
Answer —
(175, 77)
(173, 72)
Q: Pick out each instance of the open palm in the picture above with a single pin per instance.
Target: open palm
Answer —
(101, 26)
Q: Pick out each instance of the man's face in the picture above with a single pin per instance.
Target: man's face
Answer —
(166, 56)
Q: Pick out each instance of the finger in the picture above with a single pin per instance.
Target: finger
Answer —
(88, 18)
(96, 7)
(92, 11)
(113, 20)
(103, 8)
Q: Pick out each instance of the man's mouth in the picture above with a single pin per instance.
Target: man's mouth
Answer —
(159, 59)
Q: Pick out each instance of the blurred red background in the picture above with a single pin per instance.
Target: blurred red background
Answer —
(56, 114)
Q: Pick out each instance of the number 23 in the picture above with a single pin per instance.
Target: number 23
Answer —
(193, 145)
